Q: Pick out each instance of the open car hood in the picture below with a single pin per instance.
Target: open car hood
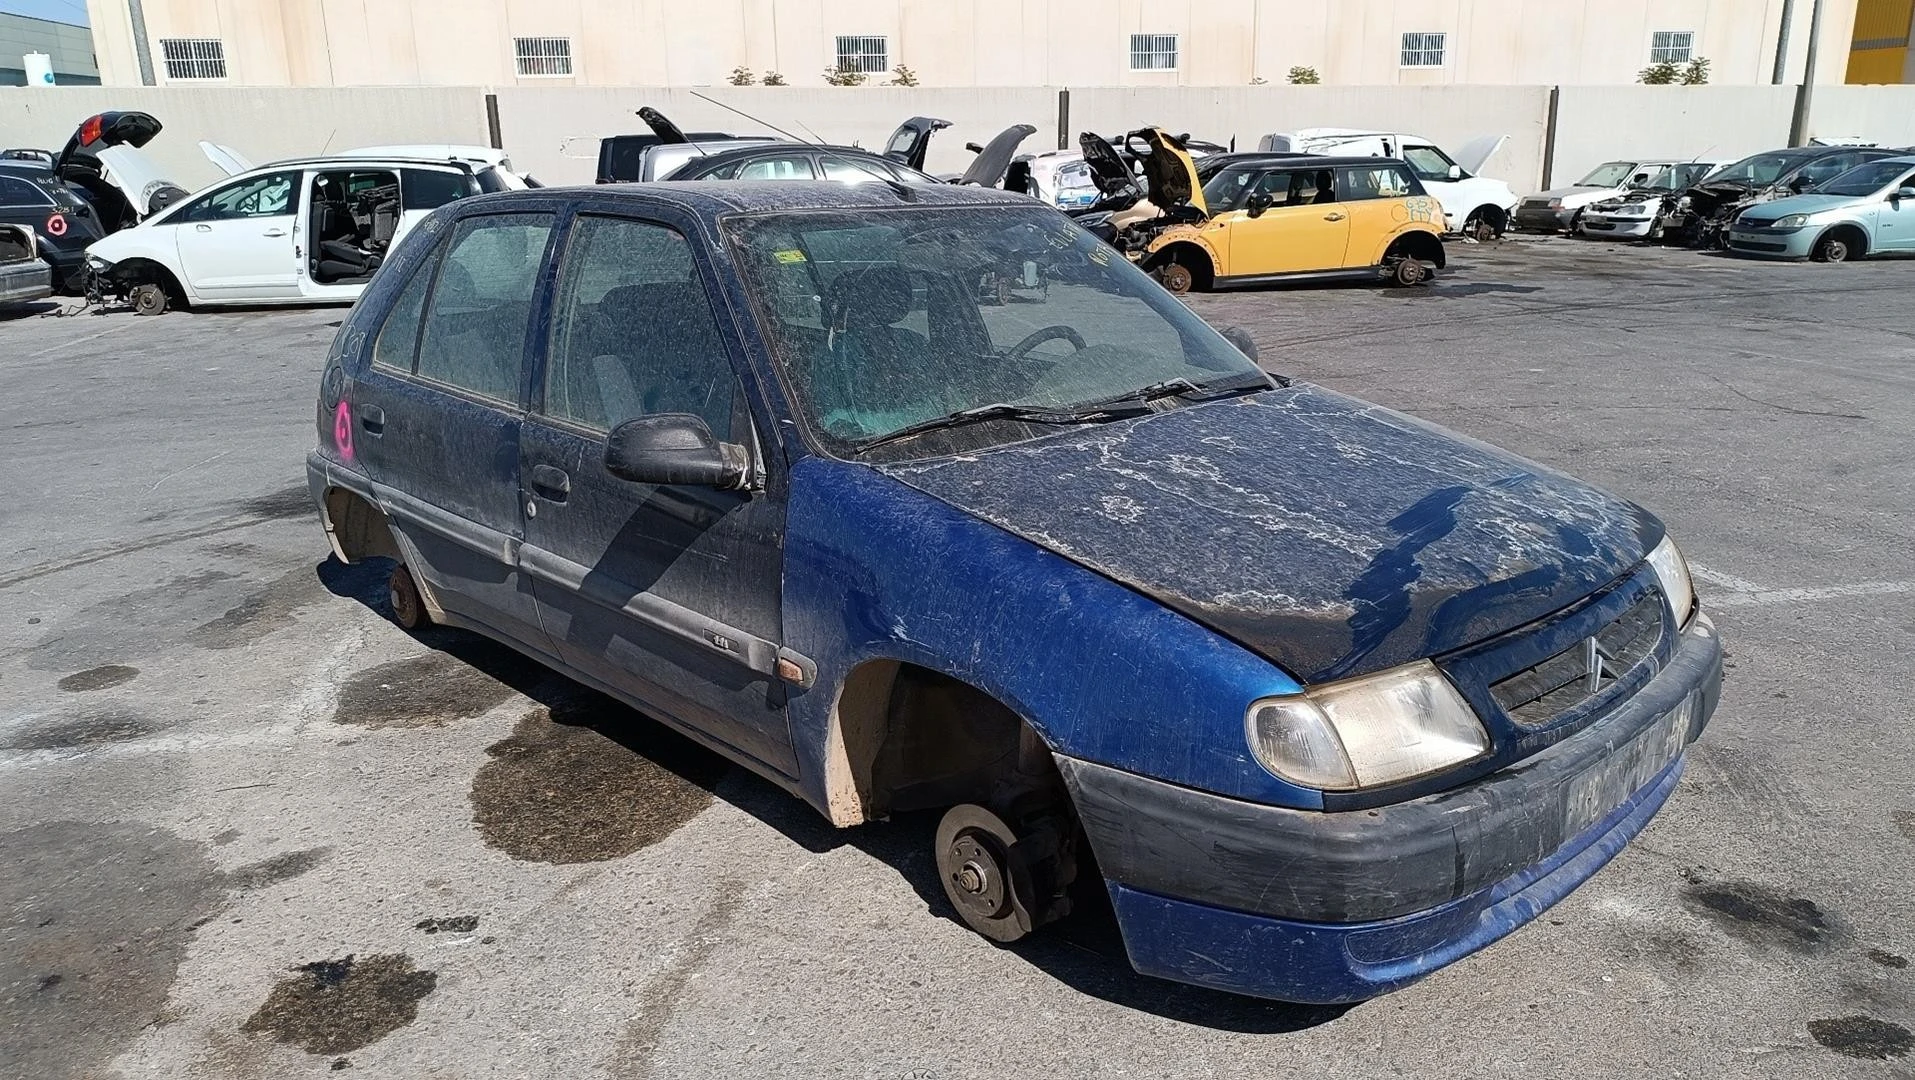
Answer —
(225, 158)
(1332, 536)
(1169, 170)
(909, 144)
(992, 162)
(666, 131)
(1474, 154)
(1107, 169)
(146, 189)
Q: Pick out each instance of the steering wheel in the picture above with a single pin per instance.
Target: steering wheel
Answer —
(1039, 337)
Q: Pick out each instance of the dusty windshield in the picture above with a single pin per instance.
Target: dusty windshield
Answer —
(1608, 174)
(1865, 179)
(1758, 171)
(883, 320)
(1680, 177)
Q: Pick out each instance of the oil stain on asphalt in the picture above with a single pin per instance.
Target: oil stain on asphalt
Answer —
(560, 791)
(287, 502)
(260, 612)
(98, 678)
(1760, 914)
(96, 918)
(80, 730)
(1863, 1037)
(337, 1006)
(423, 691)
(276, 869)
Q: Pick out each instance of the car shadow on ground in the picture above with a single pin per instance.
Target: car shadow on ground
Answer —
(1084, 951)
(29, 309)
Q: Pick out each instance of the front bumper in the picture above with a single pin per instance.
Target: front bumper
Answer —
(1334, 907)
(1633, 228)
(1541, 219)
(1772, 243)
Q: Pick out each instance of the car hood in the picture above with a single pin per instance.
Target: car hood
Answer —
(1332, 536)
(994, 160)
(1809, 204)
(1572, 190)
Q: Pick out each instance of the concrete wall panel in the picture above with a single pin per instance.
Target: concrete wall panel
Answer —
(1595, 124)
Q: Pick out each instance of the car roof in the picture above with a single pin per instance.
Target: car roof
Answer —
(352, 162)
(760, 149)
(1273, 158)
(718, 197)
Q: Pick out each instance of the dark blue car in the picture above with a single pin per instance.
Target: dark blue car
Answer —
(1326, 696)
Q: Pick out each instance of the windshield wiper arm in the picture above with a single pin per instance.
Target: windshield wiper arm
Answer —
(1035, 414)
(1181, 387)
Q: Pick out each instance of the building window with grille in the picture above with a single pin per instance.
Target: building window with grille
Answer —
(1672, 46)
(863, 53)
(1153, 52)
(1424, 50)
(543, 57)
(194, 58)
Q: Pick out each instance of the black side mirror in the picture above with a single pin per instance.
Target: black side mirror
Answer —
(1258, 202)
(1799, 185)
(673, 448)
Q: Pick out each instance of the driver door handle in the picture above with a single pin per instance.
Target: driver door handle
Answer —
(551, 483)
(1333, 217)
(275, 232)
(203, 228)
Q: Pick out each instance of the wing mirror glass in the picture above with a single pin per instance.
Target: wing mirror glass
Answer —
(673, 448)
(1258, 202)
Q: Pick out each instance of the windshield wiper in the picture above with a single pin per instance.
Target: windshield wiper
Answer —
(1035, 414)
(1181, 387)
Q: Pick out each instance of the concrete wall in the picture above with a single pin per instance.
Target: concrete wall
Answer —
(1883, 114)
(553, 132)
(1595, 124)
(962, 43)
(1447, 115)
(264, 125)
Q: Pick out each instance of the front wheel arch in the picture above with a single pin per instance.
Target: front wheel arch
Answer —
(132, 273)
(1848, 233)
(1192, 256)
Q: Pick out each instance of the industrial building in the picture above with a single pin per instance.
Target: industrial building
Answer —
(68, 49)
(966, 43)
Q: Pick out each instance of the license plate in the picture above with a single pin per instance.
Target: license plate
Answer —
(1604, 787)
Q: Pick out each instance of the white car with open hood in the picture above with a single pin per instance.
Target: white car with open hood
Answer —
(310, 230)
(1474, 205)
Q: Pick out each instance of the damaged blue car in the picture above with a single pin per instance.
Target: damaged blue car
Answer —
(922, 499)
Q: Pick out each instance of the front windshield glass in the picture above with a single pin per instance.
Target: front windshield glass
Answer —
(885, 319)
(1865, 179)
(1680, 177)
(1760, 170)
(1608, 174)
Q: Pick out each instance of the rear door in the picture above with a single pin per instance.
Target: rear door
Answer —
(236, 242)
(1303, 230)
(668, 593)
(1373, 196)
(438, 413)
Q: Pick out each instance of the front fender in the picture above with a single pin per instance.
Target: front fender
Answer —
(1184, 234)
(875, 569)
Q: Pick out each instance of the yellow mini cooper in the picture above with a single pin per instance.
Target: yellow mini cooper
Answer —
(1288, 217)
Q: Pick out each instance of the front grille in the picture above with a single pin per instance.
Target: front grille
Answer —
(1535, 696)
(1535, 204)
(1601, 226)
(1752, 245)
(1755, 223)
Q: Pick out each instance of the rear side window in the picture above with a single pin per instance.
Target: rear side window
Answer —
(634, 334)
(481, 304)
(427, 189)
(398, 340)
(779, 168)
(17, 192)
(1375, 182)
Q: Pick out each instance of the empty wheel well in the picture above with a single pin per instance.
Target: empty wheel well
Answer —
(904, 738)
(136, 272)
(1853, 235)
(1416, 245)
(1190, 256)
(358, 530)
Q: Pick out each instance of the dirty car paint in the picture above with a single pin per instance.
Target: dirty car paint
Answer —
(1334, 537)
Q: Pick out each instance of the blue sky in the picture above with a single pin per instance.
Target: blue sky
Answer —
(66, 11)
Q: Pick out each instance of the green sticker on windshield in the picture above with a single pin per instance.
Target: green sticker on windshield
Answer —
(788, 257)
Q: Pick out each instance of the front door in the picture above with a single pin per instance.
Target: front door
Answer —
(1895, 218)
(236, 243)
(437, 417)
(667, 593)
(1302, 230)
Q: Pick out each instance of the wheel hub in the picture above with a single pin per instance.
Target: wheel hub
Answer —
(979, 882)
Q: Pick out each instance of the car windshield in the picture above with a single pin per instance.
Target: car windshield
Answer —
(1608, 174)
(887, 319)
(1760, 170)
(1866, 179)
(1680, 177)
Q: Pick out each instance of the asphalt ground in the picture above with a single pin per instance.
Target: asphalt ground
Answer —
(252, 829)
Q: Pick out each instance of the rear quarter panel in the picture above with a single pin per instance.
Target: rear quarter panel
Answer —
(1377, 223)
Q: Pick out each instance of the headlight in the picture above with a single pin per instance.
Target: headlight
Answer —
(1632, 209)
(97, 264)
(1366, 732)
(1793, 221)
(1672, 572)
(1555, 204)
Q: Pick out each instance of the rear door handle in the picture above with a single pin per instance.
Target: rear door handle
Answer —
(551, 483)
(372, 418)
